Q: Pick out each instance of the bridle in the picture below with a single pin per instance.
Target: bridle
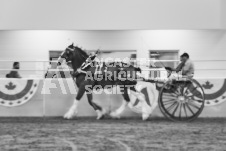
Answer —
(85, 63)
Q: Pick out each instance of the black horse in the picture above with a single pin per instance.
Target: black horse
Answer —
(90, 73)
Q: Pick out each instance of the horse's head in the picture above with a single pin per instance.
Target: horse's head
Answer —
(73, 54)
(68, 53)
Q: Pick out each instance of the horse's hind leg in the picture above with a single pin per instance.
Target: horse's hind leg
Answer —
(73, 109)
(145, 109)
(100, 111)
(117, 113)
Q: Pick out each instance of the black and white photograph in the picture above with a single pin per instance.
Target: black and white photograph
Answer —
(112, 75)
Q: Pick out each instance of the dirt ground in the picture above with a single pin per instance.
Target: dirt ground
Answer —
(81, 134)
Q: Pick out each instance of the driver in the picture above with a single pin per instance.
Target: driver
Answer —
(186, 66)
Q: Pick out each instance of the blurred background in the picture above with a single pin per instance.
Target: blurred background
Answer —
(35, 32)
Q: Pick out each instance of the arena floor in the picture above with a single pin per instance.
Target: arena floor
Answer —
(81, 134)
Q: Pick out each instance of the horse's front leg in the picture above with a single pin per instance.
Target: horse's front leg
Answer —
(99, 110)
(74, 108)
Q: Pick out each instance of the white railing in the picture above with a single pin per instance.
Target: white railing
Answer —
(218, 67)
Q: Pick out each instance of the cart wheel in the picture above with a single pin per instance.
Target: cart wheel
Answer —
(181, 100)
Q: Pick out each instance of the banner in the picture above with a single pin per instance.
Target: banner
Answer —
(15, 92)
(215, 91)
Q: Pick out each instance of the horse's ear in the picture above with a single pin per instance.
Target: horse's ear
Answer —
(72, 44)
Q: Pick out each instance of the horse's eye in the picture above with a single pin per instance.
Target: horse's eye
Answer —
(67, 51)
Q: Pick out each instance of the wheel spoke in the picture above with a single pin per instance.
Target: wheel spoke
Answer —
(194, 89)
(180, 112)
(199, 101)
(169, 94)
(186, 104)
(169, 97)
(175, 109)
(177, 91)
(168, 101)
(190, 95)
(198, 94)
(174, 92)
(193, 105)
(185, 111)
(193, 94)
(171, 106)
(185, 91)
(181, 89)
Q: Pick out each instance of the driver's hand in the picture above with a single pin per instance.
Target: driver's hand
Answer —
(79, 70)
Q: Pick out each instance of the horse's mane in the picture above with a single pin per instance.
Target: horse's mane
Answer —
(82, 52)
(79, 57)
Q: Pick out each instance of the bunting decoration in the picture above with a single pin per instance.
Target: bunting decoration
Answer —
(16, 92)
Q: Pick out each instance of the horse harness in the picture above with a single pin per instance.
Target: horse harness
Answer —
(99, 67)
(89, 61)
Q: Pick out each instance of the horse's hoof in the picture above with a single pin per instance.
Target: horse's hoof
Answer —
(69, 115)
(66, 117)
(145, 116)
(101, 114)
(100, 117)
(114, 115)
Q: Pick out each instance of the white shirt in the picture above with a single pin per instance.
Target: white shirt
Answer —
(188, 68)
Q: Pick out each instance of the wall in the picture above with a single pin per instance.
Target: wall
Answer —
(203, 44)
(52, 101)
(35, 45)
(55, 102)
(223, 16)
(117, 14)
